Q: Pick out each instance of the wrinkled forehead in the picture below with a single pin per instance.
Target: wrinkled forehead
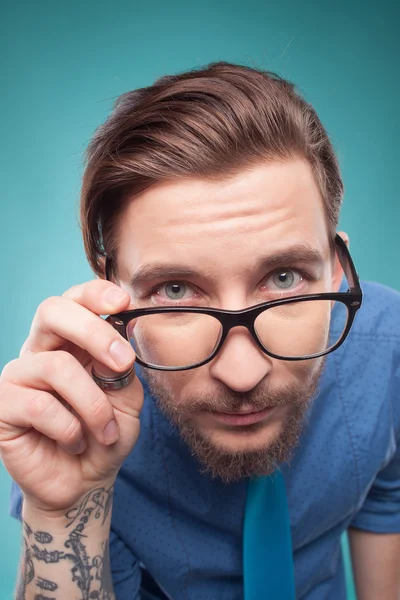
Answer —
(222, 223)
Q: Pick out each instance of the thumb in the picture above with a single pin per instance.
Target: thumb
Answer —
(122, 387)
(123, 355)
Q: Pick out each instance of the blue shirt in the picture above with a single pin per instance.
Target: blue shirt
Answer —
(186, 530)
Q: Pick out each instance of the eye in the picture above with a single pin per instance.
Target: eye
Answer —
(175, 291)
(285, 279)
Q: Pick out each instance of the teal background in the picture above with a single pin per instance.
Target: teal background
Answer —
(63, 63)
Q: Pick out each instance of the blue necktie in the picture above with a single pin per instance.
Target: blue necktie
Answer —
(267, 544)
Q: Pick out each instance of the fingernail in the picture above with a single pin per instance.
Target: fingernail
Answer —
(111, 433)
(121, 353)
(115, 297)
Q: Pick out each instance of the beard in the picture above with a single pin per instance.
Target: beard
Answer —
(216, 461)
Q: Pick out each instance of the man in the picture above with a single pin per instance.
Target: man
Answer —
(210, 203)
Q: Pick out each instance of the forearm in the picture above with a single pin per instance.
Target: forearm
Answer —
(376, 564)
(66, 556)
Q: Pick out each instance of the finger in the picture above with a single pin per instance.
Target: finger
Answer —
(99, 367)
(59, 319)
(99, 296)
(40, 410)
(127, 402)
(60, 372)
(102, 297)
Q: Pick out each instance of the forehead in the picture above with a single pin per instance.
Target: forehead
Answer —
(268, 207)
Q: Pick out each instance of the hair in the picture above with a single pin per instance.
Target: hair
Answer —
(208, 123)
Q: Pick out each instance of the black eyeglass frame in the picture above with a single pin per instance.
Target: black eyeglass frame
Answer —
(246, 317)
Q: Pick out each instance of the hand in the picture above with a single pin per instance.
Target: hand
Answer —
(57, 437)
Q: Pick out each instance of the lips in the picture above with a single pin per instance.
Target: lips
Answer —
(243, 418)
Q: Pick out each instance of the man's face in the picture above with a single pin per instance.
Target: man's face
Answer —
(224, 233)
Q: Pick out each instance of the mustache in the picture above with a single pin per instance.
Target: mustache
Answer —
(231, 401)
(299, 394)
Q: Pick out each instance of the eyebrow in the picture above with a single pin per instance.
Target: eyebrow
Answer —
(299, 254)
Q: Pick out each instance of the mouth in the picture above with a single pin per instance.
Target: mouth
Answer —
(243, 418)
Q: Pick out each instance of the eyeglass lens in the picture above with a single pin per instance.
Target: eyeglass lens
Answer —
(292, 330)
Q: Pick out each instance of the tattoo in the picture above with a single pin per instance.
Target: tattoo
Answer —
(103, 572)
(92, 576)
(27, 572)
(97, 504)
(29, 568)
(48, 557)
(81, 569)
(46, 584)
(98, 501)
(27, 529)
(43, 538)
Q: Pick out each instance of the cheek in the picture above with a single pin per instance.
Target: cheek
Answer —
(174, 340)
(296, 329)
(175, 386)
(301, 373)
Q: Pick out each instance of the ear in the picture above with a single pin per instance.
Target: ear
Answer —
(337, 274)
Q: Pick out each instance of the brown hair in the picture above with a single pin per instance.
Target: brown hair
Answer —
(205, 123)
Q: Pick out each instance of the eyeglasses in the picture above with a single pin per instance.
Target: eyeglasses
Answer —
(295, 328)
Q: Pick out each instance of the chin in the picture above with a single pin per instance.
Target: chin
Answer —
(242, 452)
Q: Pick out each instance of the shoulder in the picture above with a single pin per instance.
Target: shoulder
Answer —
(379, 315)
(368, 365)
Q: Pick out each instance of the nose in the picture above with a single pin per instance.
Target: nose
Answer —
(240, 364)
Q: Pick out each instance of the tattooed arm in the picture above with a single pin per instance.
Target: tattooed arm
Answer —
(66, 557)
(62, 437)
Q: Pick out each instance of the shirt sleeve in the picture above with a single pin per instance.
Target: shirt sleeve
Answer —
(125, 568)
(15, 501)
(380, 512)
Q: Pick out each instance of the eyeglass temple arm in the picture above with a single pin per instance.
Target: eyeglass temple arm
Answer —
(107, 268)
(347, 264)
